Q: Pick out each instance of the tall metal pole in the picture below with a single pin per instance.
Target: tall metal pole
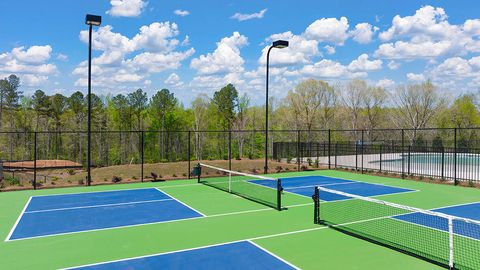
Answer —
(89, 128)
(266, 113)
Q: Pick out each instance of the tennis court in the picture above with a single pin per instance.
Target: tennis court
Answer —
(196, 224)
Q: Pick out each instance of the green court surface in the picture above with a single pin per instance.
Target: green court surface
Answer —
(289, 234)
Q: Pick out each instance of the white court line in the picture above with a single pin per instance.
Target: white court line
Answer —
(18, 220)
(89, 192)
(274, 255)
(95, 206)
(324, 185)
(184, 204)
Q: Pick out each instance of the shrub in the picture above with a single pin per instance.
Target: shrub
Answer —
(279, 169)
(54, 178)
(116, 179)
(71, 171)
(184, 175)
(134, 177)
(309, 161)
(174, 175)
(471, 183)
(287, 169)
(317, 163)
(12, 181)
(80, 182)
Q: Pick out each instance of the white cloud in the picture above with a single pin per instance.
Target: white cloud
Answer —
(225, 59)
(158, 36)
(245, 17)
(62, 57)
(329, 49)
(328, 30)
(385, 83)
(325, 69)
(181, 13)
(33, 55)
(300, 50)
(454, 67)
(174, 80)
(363, 64)
(415, 77)
(363, 33)
(33, 80)
(31, 61)
(126, 8)
(428, 34)
(125, 61)
(393, 65)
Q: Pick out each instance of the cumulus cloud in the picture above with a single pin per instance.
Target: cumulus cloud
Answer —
(131, 60)
(385, 83)
(329, 49)
(428, 34)
(329, 30)
(244, 17)
(300, 50)
(30, 64)
(174, 80)
(413, 77)
(126, 8)
(181, 13)
(363, 33)
(363, 64)
(225, 59)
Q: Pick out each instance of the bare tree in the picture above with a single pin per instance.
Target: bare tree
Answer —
(352, 99)
(200, 112)
(415, 106)
(240, 122)
(373, 102)
(305, 102)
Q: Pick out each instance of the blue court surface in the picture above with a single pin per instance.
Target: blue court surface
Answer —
(470, 211)
(305, 186)
(243, 255)
(71, 213)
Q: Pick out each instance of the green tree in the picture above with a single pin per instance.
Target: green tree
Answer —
(162, 104)
(41, 105)
(58, 105)
(138, 103)
(76, 103)
(226, 101)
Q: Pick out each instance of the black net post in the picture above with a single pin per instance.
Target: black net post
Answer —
(142, 149)
(361, 149)
(408, 159)
(279, 194)
(402, 155)
(316, 206)
(189, 153)
(455, 180)
(34, 182)
(230, 151)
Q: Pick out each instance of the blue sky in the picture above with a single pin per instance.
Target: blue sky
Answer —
(194, 47)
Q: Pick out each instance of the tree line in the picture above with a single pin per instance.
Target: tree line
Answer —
(311, 105)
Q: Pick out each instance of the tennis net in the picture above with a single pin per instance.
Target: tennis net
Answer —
(261, 189)
(449, 241)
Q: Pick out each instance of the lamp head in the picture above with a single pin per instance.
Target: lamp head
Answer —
(93, 20)
(280, 44)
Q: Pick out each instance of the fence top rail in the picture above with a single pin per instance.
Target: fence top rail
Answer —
(232, 130)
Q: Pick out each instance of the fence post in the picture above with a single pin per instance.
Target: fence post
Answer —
(329, 148)
(408, 159)
(298, 150)
(362, 150)
(402, 155)
(455, 180)
(443, 163)
(189, 154)
(34, 161)
(356, 155)
(381, 145)
(336, 153)
(142, 147)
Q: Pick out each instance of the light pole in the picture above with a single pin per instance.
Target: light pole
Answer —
(90, 20)
(279, 44)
